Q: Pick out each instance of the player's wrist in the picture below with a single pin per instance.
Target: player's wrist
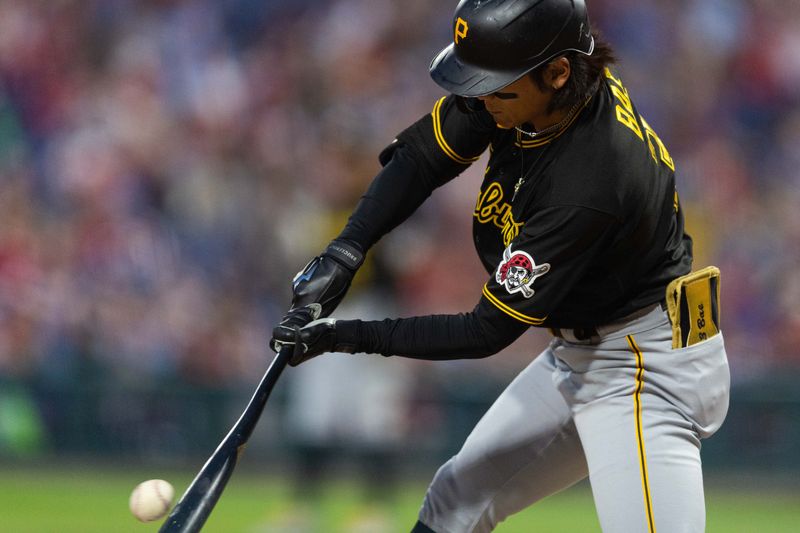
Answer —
(348, 336)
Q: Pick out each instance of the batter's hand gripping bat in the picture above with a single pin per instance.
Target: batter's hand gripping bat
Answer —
(192, 510)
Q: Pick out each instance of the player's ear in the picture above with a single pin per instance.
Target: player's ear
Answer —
(557, 73)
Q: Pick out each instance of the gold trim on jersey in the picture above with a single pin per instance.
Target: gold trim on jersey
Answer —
(533, 321)
(437, 132)
(637, 415)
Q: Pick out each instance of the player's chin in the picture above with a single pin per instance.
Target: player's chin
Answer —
(503, 122)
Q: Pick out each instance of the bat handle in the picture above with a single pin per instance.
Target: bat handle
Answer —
(246, 423)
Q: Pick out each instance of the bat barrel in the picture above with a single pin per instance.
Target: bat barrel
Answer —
(193, 509)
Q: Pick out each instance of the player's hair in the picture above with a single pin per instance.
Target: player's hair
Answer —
(584, 73)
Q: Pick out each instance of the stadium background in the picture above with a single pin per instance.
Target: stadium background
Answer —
(166, 166)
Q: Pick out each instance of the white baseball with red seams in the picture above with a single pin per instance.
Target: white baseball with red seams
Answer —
(151, 499)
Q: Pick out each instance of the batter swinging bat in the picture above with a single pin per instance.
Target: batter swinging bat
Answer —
(198, 501)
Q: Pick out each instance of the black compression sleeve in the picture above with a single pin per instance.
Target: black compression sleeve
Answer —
(480, 333)
(395, 193)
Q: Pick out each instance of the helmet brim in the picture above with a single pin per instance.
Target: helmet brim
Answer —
(463, 79)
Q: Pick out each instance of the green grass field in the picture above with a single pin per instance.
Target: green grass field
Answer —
(86, 500)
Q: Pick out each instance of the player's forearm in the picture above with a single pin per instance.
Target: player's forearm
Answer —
(396, 192)
(434, 337)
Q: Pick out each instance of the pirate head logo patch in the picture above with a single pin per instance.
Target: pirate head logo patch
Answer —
(517, 272)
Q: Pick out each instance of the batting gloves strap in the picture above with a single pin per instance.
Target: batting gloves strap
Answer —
(348, 255)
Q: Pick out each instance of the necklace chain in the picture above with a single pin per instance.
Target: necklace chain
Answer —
(522, 177)
(555, 127)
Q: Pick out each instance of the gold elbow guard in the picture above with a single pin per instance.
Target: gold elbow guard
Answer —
(693, 307)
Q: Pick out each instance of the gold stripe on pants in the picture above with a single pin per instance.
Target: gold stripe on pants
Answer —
(637, 403)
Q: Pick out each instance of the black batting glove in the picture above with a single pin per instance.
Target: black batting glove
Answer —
(314, 338)
(326, 278)
(283, 333)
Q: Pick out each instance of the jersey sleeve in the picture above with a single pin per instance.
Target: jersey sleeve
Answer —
(542, 265)
(480, 333)
(448, 139)
(426, 155)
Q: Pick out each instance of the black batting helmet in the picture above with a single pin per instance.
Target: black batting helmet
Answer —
(496, 42)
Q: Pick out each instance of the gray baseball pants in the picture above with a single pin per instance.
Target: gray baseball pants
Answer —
(624, 408)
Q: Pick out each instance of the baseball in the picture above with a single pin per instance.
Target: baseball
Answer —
(151, 499)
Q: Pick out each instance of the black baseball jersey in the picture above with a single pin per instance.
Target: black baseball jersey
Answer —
(577, 226)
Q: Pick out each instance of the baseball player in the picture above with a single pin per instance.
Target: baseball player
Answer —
(579, 226)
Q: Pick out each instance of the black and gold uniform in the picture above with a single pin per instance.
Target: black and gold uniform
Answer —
(578, 226)
(580, 229)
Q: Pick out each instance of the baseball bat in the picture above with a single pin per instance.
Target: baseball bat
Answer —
(192, 510)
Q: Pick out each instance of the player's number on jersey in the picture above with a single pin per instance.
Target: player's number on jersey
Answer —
(627, 116)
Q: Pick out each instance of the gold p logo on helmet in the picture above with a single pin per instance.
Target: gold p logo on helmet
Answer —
(461, 29)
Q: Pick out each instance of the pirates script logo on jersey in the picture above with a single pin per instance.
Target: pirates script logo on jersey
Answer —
(518, 271)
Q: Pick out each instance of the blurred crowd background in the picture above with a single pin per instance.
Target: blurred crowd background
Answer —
(166, 166)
